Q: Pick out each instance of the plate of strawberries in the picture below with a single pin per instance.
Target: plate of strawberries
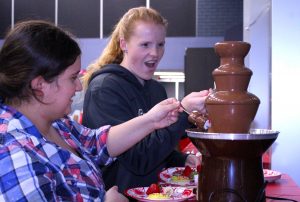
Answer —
(180, 176)
(156, 192)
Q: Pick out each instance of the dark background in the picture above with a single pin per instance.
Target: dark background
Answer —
(187, 18)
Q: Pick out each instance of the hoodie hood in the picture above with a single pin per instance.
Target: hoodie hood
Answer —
(119, 71)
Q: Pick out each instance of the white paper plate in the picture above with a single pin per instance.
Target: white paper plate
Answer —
(179, 194)
(271, 175)
(166, 177)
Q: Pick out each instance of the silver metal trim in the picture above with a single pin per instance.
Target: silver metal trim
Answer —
(254, 134)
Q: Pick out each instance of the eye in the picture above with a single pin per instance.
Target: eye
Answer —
(145, 45)
(75, 77)
(161, 45)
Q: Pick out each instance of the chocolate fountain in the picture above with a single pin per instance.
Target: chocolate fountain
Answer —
(232, 168)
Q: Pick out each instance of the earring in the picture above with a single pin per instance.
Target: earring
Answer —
(125, 51)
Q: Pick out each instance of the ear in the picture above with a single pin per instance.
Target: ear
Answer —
(38, 85)
(123, 44)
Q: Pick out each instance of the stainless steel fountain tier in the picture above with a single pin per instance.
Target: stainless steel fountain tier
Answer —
(232, 164)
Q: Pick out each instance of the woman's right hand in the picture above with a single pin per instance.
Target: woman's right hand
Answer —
(113, 195)
(164, 113)
(161, 115)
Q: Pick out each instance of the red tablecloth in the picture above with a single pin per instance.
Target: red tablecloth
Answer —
(283, 188)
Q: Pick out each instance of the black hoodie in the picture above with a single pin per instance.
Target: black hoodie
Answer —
(114, 96)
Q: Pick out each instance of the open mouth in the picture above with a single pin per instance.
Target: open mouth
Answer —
(150, 64)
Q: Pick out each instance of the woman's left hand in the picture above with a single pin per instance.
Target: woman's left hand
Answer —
(113, 195)
(195, 101)
(193, 161)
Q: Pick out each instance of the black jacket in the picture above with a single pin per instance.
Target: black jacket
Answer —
(114, 96)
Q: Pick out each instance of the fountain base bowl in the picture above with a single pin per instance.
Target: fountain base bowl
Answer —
(232, 164)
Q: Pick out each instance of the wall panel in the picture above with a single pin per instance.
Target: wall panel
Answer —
(113, 10)
(34, 9)
(80, 16)
(181, 15)
(5, 16)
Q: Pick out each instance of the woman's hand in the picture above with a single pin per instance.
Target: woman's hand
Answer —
(113, 195)
(164, 113)
(161, 115)
(195, 101)
(193, 161)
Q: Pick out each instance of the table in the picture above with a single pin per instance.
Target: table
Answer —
(283, 188)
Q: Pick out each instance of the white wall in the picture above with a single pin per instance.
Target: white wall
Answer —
(273, 29)
(285, 84)
(257, 33)
(174, 53)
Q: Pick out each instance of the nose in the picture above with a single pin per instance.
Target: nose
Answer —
(78, 85)
(154, 51)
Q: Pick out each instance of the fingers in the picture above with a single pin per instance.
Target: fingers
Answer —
(173, 120)
(171, 104)
(193, 161)
(204, 93)
(200, 93)
(168, 101)
(115, 188)
(195, 101)
(165, 113)
(172, 117)
(174, 113)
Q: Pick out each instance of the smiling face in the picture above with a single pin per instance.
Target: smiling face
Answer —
(144, 49)
(60, 92)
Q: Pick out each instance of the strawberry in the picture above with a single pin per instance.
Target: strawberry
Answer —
(187, 171)
(187, 192)
(153, 188)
